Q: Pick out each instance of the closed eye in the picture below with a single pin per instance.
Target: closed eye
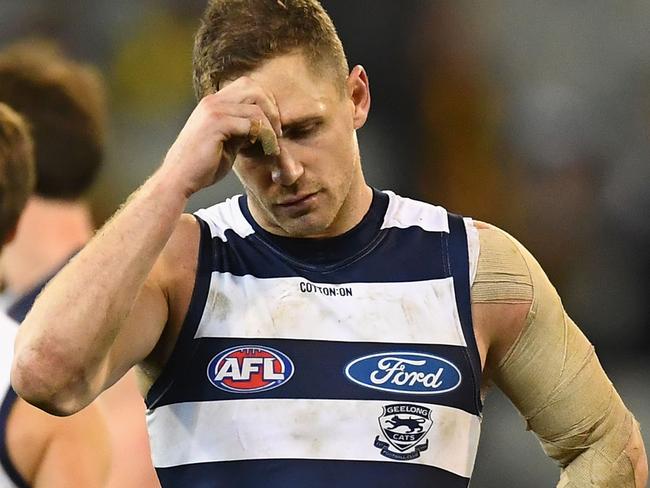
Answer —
(302, 130)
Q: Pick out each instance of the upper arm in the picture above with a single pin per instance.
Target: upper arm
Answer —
(150, 330)
(59, 452)
(501, 295)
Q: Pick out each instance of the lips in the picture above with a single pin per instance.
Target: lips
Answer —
(295, 200)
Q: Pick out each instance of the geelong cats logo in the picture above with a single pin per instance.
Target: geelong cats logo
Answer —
(404, 426)
(249, 369)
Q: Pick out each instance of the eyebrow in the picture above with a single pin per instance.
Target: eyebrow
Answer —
(301, 122)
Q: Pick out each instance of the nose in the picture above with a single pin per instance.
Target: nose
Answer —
(287, 169)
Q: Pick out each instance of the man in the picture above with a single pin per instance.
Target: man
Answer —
(63, 102)
(37, 449)
(314, 332)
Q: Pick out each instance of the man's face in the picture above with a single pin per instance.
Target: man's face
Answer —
(315, 187)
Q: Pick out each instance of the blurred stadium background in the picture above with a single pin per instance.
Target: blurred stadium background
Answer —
(534, 116)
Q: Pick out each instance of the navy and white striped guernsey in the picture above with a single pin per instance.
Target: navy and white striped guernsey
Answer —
(9, 476)
(341, 362)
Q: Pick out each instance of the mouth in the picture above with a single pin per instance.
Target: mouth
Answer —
(295, 200)
(298, 201)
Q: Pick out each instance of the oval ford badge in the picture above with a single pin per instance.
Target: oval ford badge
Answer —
(249, 369)
(411, 373)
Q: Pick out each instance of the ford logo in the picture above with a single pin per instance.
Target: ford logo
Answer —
(411, 373)
(249, 369)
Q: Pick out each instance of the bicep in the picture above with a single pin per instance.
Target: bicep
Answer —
(149, 330)
(139, 332)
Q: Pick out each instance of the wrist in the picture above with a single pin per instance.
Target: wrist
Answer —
(165, 186)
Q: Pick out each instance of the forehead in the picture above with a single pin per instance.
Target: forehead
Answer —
(297, 89)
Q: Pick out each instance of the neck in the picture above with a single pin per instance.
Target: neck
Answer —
(49, 231)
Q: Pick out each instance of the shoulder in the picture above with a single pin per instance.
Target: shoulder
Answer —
(503, 268)
(33, 437)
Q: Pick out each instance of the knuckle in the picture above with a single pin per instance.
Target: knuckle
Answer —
(246, 80)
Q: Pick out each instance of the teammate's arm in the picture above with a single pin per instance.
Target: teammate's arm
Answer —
(53, 452)
(549, 370)
(107, 309)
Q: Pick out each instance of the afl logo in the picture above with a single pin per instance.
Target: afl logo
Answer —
(412, 373)
(249, 369)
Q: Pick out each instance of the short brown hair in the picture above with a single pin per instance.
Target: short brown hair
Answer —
(63, 102)
(16, 169)
(237, 36)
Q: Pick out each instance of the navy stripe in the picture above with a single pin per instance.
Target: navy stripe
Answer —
(383, 260)
(459, 263)
(294, 473)
(21, 307)
(327, 359)
(5, 461)
(185, 345)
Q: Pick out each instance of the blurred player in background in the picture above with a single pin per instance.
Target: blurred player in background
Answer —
(37, 449)
(64, 104)
(314, 332)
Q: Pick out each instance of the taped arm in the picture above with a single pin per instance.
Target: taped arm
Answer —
(553, 377)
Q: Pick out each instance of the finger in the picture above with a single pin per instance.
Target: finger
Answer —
(247, 91)
(260, 129)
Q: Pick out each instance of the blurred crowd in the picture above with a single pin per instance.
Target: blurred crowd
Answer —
(534, 116)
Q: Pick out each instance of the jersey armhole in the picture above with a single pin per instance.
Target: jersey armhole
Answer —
(184, 347)
(460, 259)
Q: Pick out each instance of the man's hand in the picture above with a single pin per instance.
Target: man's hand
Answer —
(222, 124)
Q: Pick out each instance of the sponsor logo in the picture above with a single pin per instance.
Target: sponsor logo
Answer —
(249, 369)
(411, 373)
(404, 426)
(328, 291)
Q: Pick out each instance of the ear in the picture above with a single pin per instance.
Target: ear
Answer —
(358, 88)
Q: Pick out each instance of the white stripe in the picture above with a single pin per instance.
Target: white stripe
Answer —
(404, 212)
(473, 248)
(8, 331)
(5, 481)
(405, 312)
(300, 429)
(226, 216)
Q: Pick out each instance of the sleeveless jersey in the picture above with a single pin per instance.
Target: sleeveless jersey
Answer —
(9, 476)
(342, 362)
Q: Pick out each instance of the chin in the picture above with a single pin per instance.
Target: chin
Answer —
(305, 226)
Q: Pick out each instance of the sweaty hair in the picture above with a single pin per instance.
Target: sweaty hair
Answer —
(63, 102)
(238, 36)
(16, 169)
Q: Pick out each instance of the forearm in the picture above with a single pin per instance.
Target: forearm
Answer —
(610, 461)
(64, 341)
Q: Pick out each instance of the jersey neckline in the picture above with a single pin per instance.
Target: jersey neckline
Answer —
(325, 251)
